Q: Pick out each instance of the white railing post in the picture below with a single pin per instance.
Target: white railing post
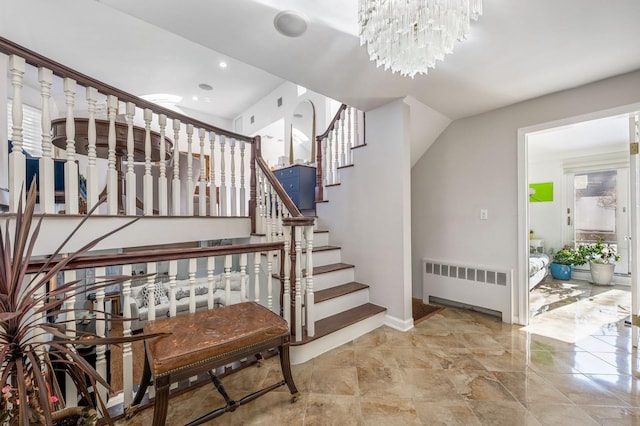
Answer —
(213, 189)
(298, 296)
(256, 277)
(309, 297)
(243, 194)
(101, 359)
(202, 181)
(232, 166)
(127, 354)
(17, 161)
(228, 262)
(112, 173)
(173, 273)
(223, 184)
(343, 155)
(334, 168)
(163, 187)
(211, 266)
(328, 174)
(151, 289)
(192, 285)
(190, 186)
(147, 191)
(93, 191)
(356, 129)
(284, 275)
(269, 280)
(243, 277)
(349, 140)
(46, 187)
(131, 175)
(70, 166)
(175, 185)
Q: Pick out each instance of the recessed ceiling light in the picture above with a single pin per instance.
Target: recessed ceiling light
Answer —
(223, 64)
(291, 23)
(205, 86)
(195, 98)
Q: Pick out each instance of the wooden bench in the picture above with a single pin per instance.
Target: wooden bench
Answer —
(203, 341)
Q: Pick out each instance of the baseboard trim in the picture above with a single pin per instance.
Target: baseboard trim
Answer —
(398, 324)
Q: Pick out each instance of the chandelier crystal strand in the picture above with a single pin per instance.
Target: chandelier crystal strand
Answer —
(409, 36)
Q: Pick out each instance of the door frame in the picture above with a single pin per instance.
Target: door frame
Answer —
(520, 291)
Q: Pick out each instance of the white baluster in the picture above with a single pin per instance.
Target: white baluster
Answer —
(211, 266)
(334, 168)
(175, 185)
(202, 182)
(93, 190)
(228, 261)
(46, 190)
(17, 161)
(147, 192)
(232, 166)
(343, 155)
(274, 215)
(269, 280)
(192, 285)
(112, 173)
(269, 193)
(190, 186)
(310, 299)
(284, 275)
(356, 129)
(127, 354)
(131, 174)
(243, 277)
(223, 185)
(243, 191)
(298, 295)
(151, 290)
(213, 189)
(173, 273)
(349, 140)
(70, 166)
(163, 190)
(259, 201)
(256, 277)
(39, 319)
(101, 320)
(71, 393)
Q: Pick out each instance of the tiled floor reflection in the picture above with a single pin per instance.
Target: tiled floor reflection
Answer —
(455, 368)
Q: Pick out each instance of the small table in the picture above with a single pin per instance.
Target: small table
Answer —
(203, 341)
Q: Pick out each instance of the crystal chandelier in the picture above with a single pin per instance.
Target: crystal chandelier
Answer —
(408, 36)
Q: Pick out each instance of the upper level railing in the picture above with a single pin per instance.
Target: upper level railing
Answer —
(98, 148)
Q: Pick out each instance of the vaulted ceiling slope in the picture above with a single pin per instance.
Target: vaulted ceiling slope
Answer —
(517, 50)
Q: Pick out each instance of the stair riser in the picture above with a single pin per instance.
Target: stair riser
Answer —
(340, 304)
(320, 239)
(303, 353)
(330, 279)
(325, 257)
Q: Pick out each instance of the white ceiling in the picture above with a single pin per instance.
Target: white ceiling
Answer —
(516, 51)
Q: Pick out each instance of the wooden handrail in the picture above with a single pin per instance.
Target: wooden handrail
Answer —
(144, 256)
(37, 60)
(333, 122)
(277, 186)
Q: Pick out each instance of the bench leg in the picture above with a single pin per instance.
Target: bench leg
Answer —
(161, 402)
(285, 364)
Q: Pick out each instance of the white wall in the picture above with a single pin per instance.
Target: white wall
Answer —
(474, 165)
(369, 216)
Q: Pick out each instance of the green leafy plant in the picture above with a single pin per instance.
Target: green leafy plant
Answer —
(568, 255)
(26, 338)
(599, 252)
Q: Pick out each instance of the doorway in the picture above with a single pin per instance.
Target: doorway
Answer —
(585, 168)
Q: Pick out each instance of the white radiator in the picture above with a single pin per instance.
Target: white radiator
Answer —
(484, 287)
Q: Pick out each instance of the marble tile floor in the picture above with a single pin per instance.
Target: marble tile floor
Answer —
(456, 368)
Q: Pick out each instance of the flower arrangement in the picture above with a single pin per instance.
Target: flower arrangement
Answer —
(599, 252)
(568, 255)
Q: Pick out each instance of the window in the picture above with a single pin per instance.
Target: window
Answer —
(31, 129)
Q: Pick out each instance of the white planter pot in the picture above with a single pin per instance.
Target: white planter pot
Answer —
(602, 273)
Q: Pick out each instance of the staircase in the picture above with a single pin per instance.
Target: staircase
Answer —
(342, 307)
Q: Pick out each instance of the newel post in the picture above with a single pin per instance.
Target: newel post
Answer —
(255, 151)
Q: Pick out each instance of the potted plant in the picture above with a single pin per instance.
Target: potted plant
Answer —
(602, 258)
(563, 262)
(31, 349)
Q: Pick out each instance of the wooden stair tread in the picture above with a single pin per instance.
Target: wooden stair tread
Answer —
(339, 321)
(345, 166)
(324, 269)
(337, 291)
(322, 248)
